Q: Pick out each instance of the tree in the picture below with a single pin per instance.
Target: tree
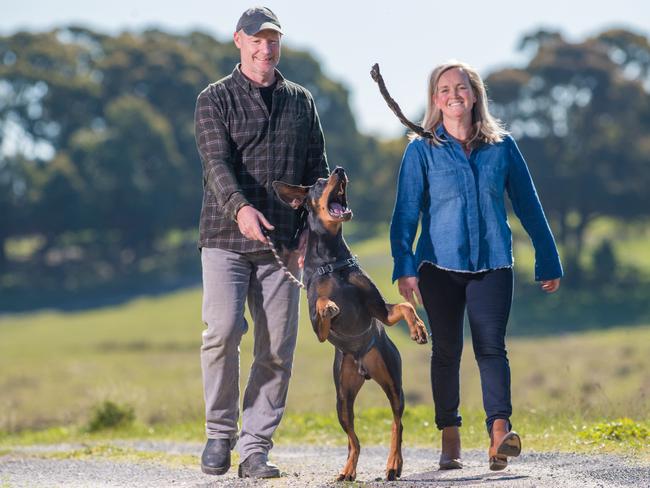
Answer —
(582, 118)
(97, 136)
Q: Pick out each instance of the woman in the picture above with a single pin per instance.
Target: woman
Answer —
(463, 259)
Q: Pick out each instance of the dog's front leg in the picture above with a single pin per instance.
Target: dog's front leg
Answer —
(389, 314)
(406, 311)
(326, 310)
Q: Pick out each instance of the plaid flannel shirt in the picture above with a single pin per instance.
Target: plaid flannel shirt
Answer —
(244, 149)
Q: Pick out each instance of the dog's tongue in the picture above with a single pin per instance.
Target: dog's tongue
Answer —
(336, 208)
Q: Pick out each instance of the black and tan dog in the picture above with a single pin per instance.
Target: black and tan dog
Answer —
(347, 310)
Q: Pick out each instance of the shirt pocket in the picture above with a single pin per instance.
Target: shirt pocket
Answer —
(296, 130)
(493, 180)
(443, 185)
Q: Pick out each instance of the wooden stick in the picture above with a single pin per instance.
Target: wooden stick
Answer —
(392, 104)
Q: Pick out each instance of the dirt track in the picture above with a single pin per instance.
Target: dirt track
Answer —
(317, 466)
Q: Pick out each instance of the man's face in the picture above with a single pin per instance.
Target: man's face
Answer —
(260, 54)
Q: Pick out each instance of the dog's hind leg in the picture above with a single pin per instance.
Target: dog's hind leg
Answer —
(384, 365)
(348, 382)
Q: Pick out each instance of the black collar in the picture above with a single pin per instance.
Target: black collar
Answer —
(330, 268)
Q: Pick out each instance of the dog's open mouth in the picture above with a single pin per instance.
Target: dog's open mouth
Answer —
(337, 204)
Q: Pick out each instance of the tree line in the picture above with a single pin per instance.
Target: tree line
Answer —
(98, 162)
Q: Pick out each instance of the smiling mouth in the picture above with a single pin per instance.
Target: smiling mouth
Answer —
(337, 204)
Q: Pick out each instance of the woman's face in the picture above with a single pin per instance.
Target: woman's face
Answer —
(454, 95)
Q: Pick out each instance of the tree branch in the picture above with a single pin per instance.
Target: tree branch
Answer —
(392, 104)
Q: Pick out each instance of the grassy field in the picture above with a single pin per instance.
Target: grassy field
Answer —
(55, 368)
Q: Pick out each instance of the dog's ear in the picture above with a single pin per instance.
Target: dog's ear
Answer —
(292, 195)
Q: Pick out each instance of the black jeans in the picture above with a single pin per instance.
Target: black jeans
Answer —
(487, 296)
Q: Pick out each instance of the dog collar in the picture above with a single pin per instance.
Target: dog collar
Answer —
(330, 268)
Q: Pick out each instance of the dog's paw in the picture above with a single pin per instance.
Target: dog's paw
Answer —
(346, 477)
(330, 310)
(419, 334)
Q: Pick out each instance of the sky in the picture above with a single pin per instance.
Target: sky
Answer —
(407, 38)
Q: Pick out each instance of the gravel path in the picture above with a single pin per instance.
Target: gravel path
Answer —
(314, 466)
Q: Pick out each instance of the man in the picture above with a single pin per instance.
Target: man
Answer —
(252, 127)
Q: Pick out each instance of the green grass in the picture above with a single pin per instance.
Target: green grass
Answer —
(630, 242)
(117, 453)
(56, 368)
(540, 432)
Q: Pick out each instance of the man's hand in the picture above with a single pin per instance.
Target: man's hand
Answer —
(249, 221)
(409, 289)
(549, 286)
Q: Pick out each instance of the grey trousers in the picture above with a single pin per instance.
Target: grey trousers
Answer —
(229, 280)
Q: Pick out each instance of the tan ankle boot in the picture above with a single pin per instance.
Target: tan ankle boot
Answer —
(450, 456)
(503, 444)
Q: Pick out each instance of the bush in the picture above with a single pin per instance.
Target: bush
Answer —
(620, 430)
(109, 415)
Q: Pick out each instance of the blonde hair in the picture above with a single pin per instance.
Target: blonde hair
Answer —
(486, 128)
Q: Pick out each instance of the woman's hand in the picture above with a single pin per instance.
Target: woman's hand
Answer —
(549, 286)
(408, 288)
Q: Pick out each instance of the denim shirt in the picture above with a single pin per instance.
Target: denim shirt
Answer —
(461, 201)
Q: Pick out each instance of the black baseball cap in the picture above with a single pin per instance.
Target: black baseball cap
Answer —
(256, 19)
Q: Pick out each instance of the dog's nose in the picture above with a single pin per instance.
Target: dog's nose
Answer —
(339, 171)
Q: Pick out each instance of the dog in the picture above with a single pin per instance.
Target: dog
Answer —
(347, 309)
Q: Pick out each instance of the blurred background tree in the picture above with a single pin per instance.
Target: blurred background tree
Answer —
(100, 181)
(581, 114)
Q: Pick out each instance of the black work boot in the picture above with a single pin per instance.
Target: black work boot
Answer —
(216, 456)
(257, 466)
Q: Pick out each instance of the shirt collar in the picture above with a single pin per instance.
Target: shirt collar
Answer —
(442, 133)
(246, 84)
